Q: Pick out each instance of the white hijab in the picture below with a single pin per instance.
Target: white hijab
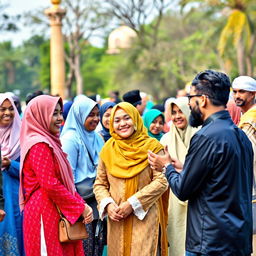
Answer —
(176, 139)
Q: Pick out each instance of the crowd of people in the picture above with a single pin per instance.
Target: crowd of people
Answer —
(173, 179)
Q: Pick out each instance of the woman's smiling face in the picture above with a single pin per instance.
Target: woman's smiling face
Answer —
(92, 119)
(123, 124)
(157, 125)
(178, 118)
(6, 113)
(106, 118)
(56, 121)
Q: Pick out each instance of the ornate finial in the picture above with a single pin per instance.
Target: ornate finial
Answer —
(55, 13)
(56, 2)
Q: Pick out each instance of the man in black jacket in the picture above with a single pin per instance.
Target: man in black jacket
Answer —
(216, 178)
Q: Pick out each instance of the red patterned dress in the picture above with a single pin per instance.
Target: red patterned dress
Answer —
(43, 189)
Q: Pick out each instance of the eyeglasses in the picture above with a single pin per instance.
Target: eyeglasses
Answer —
(195, 95)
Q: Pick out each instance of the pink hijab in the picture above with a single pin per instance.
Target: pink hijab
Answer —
(9, 135)
(35, 129)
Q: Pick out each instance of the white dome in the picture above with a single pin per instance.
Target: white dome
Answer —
(120, 38)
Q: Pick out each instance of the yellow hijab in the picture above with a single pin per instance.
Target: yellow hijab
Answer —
(127, 157)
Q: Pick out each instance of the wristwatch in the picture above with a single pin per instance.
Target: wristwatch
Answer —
(166, 165)
(164, 168)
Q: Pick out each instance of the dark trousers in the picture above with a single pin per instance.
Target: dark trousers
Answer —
(94, 244)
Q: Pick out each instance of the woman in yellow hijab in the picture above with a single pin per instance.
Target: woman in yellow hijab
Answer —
(129, 191)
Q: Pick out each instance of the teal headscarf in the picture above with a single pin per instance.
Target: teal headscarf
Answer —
(148, 118)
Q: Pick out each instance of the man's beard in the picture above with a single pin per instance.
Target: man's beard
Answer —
(241, 102)
(195, 118)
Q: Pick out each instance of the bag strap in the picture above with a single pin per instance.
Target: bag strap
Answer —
(94, 165)
(60, 213)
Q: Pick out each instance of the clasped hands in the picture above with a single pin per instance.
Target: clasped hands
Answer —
(119, 212)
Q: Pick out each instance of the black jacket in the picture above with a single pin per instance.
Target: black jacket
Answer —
(217, 181)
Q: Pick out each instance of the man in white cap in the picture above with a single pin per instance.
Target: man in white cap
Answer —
(244, 88)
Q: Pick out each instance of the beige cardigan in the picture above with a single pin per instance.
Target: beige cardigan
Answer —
(145, 231)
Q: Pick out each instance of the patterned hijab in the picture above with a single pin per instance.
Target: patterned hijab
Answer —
(10, 135)
(77, 115)
(35, 129)
(149, 117)
(105, 132)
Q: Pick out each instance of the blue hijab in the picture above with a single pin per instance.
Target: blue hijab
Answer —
(77, 115)
(66, 108)
(105, 132)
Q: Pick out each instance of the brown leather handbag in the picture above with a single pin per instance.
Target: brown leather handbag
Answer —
(68, 232)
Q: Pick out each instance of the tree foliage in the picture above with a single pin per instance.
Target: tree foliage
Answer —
(8, 22)
(238, 33)
(21, 67)
(174, 42)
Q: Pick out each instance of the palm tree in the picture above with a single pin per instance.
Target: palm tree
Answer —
(238, 30)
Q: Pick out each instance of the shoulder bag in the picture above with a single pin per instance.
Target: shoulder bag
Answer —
(68, 232)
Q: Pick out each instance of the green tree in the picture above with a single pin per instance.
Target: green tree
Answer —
(45, 76)
(185, 46)
(8, 60)
(20, 67)
(8, 22)
(98, 70)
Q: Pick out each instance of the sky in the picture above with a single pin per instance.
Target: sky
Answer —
(15, 7)
(18, 7)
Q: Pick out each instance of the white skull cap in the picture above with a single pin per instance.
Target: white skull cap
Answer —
(246, 83)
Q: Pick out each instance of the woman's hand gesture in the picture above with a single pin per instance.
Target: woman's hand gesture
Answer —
(2, 215)
(87, 214)
(6, 162)
(112, 212)
(125, 209)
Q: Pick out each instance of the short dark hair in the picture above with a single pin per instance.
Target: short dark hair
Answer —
(33, 95)
(215, 85)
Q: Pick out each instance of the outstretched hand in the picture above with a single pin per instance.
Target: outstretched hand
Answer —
(157, 162)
